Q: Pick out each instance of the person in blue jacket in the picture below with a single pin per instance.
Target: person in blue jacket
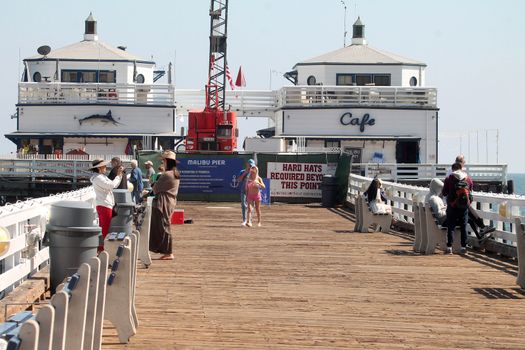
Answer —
(136, 180)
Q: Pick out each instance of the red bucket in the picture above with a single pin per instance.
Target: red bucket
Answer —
(177, 217)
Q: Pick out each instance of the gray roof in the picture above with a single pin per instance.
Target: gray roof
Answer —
(90, 50)
(360, 54)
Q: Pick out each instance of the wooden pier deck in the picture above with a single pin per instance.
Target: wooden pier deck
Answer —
(306, 280)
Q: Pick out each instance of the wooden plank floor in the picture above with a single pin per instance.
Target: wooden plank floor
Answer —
(305, 280)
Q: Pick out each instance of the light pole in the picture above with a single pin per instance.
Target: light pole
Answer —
(345, 32)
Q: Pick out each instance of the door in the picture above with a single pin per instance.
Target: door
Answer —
(407, 152)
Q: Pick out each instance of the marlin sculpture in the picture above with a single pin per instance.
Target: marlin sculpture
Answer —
(107, 118)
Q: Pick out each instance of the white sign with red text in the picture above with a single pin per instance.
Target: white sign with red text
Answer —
(297, 179)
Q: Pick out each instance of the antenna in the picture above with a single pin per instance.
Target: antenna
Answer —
(44, 50)
(345, 31)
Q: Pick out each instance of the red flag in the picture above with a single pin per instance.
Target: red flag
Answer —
(240, 81)
(229, 77)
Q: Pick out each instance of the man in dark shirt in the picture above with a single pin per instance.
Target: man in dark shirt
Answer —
(115, 164)
(456, 214)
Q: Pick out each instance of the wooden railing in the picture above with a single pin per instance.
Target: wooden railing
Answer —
(499, 210)
(94, 93)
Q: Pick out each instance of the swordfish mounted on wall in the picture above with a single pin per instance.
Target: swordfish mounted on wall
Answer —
(103, 118)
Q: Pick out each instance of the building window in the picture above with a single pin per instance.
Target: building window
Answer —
(140, 79)
(107, 76)
(37, 77)
(89, 76)
(345, 79)
(363, 79)
(311, 80)
(332, 144)
(382, 80)
(413, 81)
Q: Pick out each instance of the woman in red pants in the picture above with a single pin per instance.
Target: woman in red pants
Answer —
(104, 194)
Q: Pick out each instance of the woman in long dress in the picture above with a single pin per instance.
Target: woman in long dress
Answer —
(165, 190)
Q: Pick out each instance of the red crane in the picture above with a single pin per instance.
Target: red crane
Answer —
(214, 128)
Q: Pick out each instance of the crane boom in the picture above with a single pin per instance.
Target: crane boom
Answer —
(216, 89)
(214, 128)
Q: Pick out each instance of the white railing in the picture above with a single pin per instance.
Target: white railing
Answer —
(26, 221)
(93, 93)
(247, 103)
(499, 209)
(123, 157)
(398, 172)
(387, 96)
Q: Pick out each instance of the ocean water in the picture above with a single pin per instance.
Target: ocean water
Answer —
(519, 183)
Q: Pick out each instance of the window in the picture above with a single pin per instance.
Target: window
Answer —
(224, 131)
(363, 79)
(140, 79)
(107, 76)
(382, 80)
(413, 81)
(37, 77)
(345, 79)
(89, 76)
(332, 144)
(311, 80)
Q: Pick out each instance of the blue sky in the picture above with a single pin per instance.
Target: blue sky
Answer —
(473, 49)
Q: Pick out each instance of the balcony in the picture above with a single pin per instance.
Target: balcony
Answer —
(93, 93)
(365, 96)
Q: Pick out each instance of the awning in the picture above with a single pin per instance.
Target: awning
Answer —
(46, 135)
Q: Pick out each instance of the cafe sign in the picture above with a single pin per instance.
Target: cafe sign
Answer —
(349, 119)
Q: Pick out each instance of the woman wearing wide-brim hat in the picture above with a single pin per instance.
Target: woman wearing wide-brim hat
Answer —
(165, 189)
(104, 193)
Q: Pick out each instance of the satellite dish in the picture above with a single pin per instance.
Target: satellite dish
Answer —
(44, 50)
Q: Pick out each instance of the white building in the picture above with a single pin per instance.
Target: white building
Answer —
(359, 99)
(94, 97)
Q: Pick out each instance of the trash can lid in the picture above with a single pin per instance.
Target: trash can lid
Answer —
(122, 196)
(71, 214)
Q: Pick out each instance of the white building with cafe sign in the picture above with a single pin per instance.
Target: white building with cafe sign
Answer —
(360, 99)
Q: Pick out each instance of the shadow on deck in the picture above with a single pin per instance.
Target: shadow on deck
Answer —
(306, 280)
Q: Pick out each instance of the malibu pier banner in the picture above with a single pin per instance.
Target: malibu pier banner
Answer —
(215, 175)
(297, 179)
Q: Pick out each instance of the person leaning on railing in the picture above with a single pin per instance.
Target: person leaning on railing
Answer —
(103, 187)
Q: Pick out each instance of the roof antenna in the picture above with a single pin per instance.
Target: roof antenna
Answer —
(345, 31)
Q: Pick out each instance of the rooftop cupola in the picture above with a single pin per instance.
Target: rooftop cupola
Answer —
(90, 32)
(358, 37)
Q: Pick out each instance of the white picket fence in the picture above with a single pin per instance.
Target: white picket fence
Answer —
(500, 210)
(25, 221)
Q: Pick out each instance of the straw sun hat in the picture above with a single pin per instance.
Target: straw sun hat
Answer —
(97, 163)
(169, 155)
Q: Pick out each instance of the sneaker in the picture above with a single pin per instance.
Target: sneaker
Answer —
(486, 232)
(248, 224)
(243, 223)
(259, 224)
(449, 250)
(463, 250)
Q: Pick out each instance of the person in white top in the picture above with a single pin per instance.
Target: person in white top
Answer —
(104, 193)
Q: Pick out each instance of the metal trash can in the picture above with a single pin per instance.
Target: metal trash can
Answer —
(329, 191)
(124, 205)
(73, 238)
